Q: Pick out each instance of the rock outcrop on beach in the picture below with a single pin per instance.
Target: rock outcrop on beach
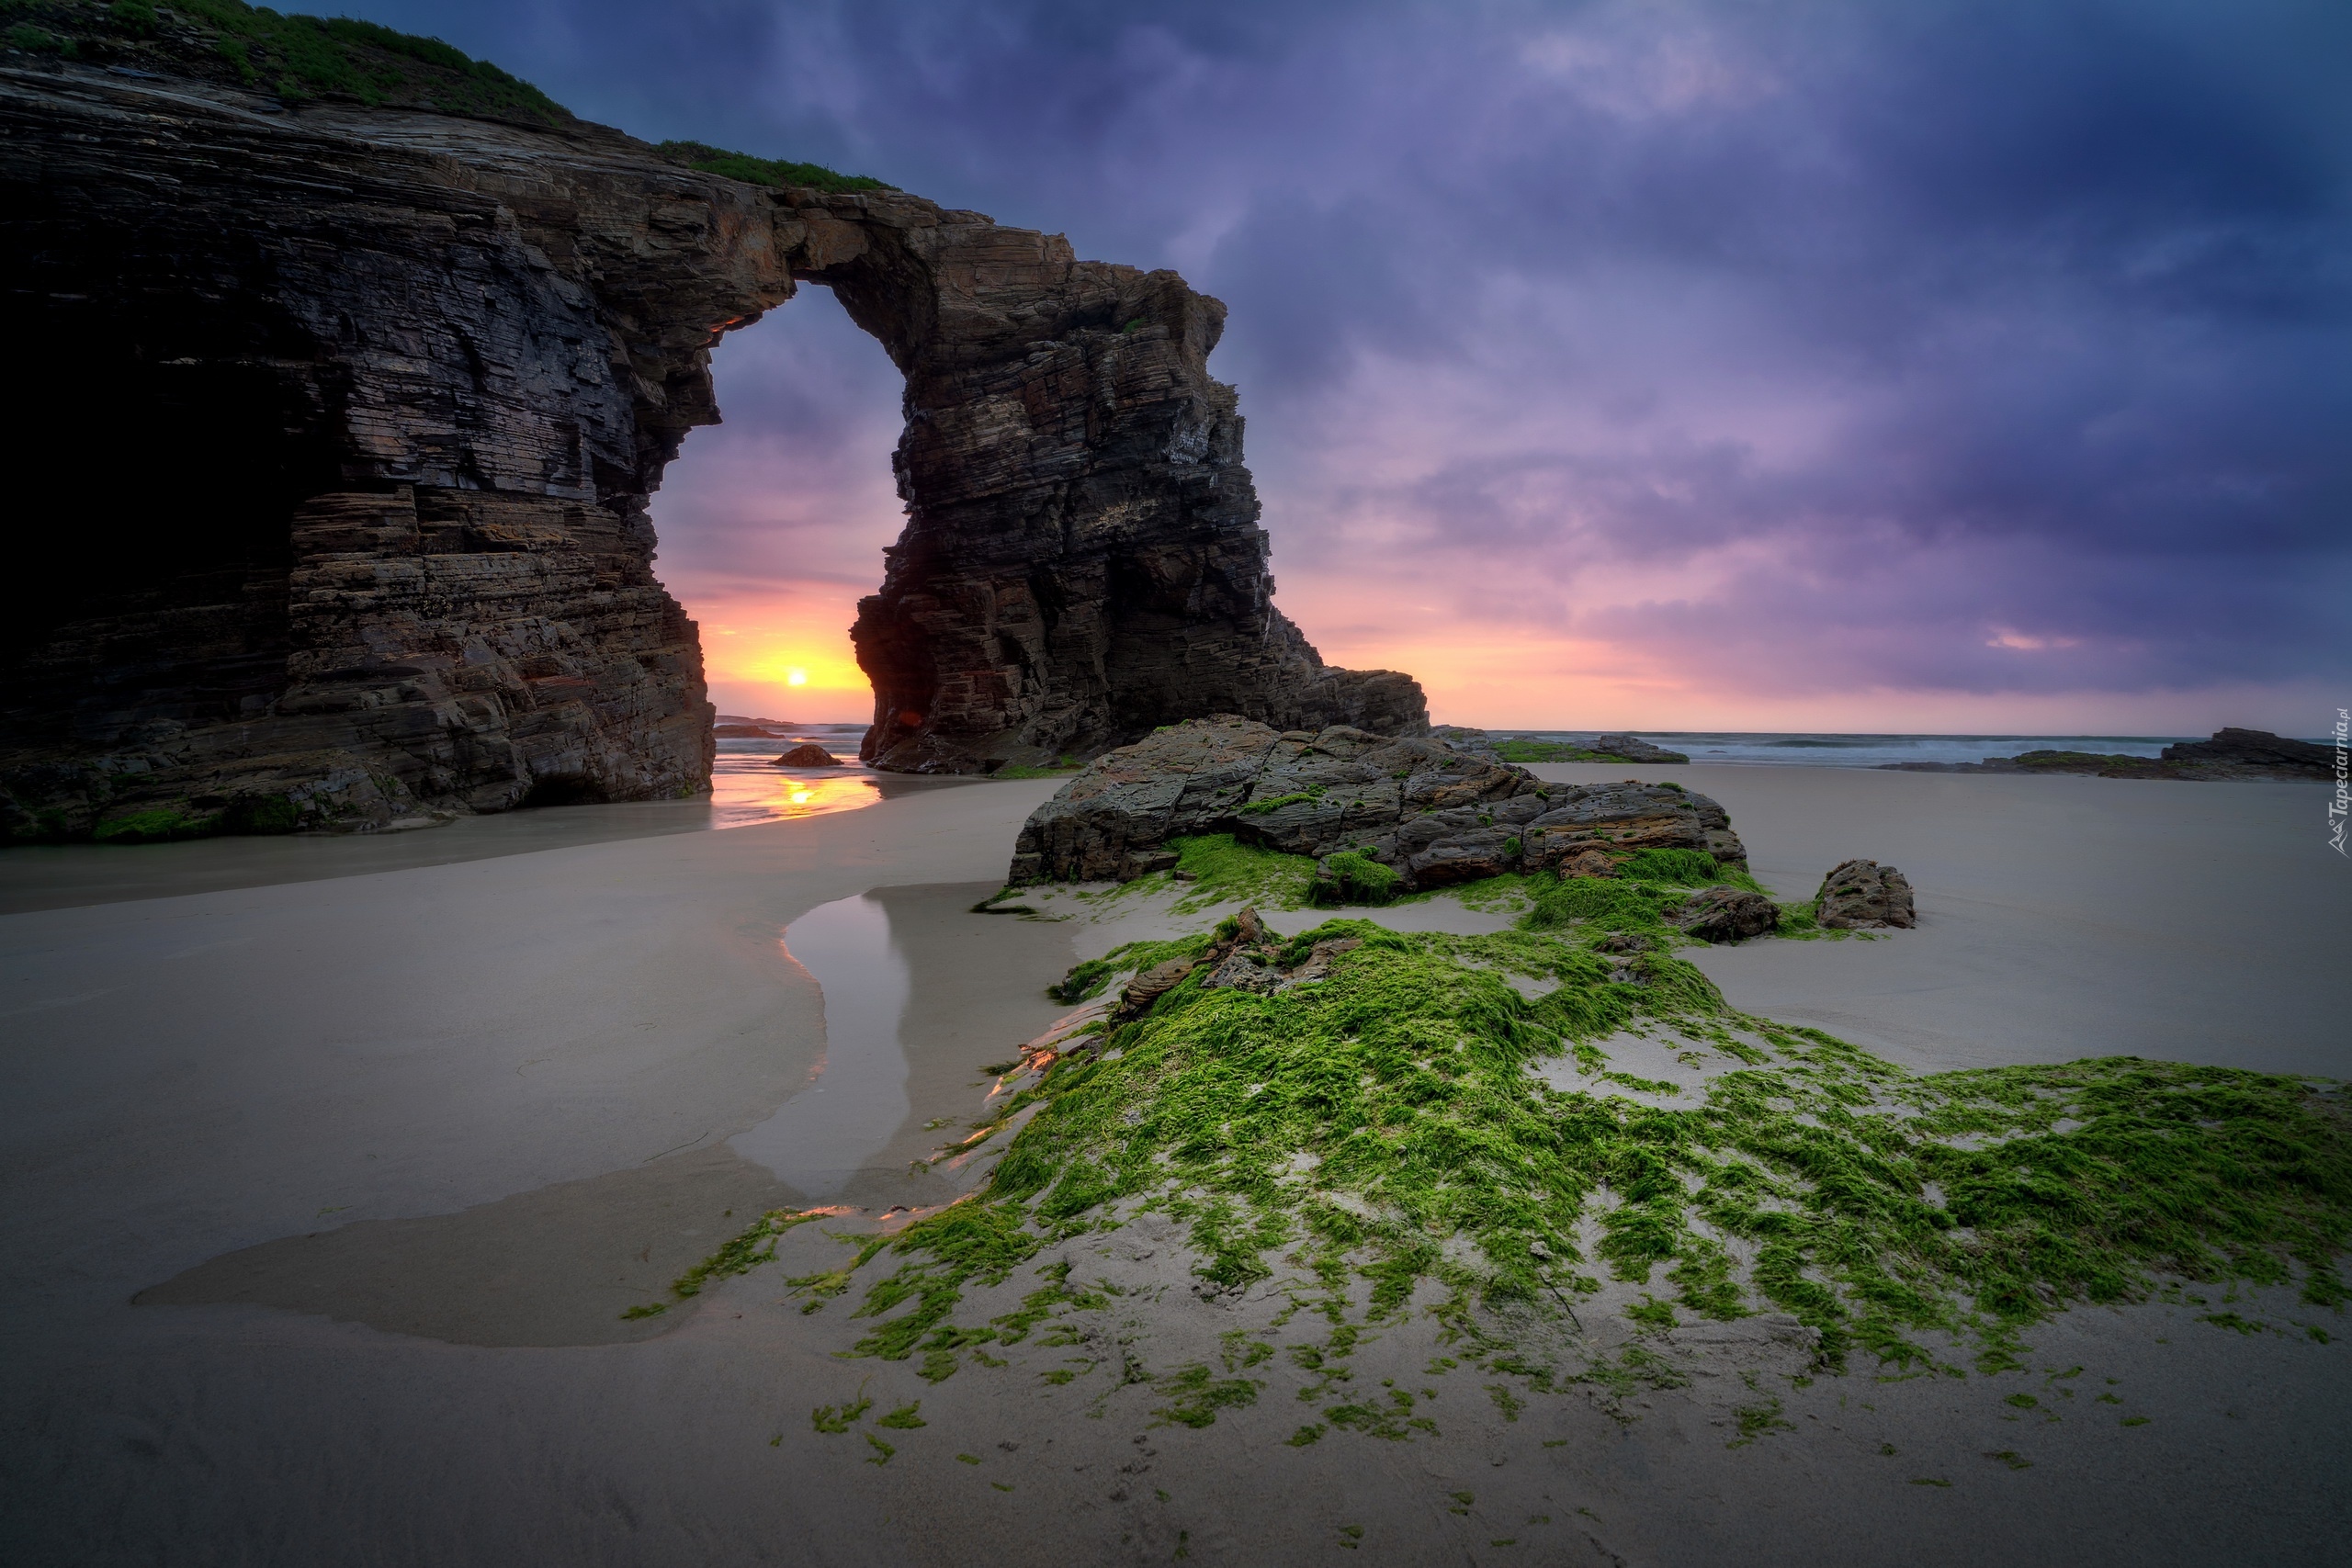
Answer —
(2252, 753)
(807, 754)
(1726, 914)
(1433, 813)
(348, 417)
(1861, 894)
(2230, 754)
(1529, 748)
(1628, 748)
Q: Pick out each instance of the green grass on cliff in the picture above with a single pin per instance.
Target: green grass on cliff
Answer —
(340, 56)
(1378, 1137)
(772, 172)
(298, 57)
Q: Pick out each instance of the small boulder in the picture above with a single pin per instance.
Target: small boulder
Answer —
(1726, 914)
(807, 754)
(1243, 960)
(1862, 893)
(1150, 986)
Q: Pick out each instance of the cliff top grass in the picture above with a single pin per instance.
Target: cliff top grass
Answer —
(784, 172)
(298, 57)
(302, 56)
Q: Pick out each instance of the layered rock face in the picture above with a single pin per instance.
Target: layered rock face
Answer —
(1434, 814)
(1082, 560)
(339, 507)
(338, 429)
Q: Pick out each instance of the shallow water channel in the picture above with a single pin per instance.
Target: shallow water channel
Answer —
(822, 1136)
(917, 991)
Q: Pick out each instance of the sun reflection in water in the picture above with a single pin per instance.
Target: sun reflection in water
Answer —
(747, 788)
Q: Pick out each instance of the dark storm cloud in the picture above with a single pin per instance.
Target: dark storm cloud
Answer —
(1958, 346)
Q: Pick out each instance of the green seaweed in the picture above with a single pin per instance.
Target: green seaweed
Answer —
(156, 827)
(838, 1419)
(1221, 869)
(1089, 979)
(1349, 877)
(754, 1246)
(1381, 1130)
(1404, 1075)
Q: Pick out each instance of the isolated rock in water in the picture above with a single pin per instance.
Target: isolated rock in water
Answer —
(807, 754)
(1430, 812)
(1726, 914)
(2231, 754)
(1625, 748)
(2256, 753)
(1862, 893)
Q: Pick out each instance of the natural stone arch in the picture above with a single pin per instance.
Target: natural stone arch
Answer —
(465, 350)
(1082, 560)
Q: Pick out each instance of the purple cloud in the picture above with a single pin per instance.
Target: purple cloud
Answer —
(1955, 348)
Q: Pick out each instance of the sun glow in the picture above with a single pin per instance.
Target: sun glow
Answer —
(784, 658)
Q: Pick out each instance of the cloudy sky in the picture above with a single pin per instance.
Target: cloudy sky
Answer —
(1953, 365)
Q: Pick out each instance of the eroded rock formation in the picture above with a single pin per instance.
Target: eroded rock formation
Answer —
(339, 426)
(1433, 813)
(1082, 560)
(1862, 894)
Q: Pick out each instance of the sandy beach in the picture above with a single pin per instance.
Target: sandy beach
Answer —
(332, 1166)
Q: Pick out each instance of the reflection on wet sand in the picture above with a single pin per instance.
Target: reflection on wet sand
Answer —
(61, 876)
(919, 992)
(747, 790)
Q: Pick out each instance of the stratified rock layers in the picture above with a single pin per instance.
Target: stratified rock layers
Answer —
(1082, 560)
(337, 431)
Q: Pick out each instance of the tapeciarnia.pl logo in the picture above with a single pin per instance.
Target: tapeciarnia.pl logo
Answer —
(2341, 807)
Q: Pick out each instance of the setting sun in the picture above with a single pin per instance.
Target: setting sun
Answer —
(795, 677)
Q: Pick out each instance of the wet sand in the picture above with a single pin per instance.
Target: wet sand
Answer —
(388, 1150)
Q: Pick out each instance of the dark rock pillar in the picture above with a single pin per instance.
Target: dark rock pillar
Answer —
(1082, 560)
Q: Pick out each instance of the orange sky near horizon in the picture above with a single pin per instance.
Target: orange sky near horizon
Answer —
(755, 639)
(772, 526)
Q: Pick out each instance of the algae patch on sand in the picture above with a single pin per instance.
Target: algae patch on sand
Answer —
(1439, 1114)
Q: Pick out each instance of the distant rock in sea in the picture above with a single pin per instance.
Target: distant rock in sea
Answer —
(2231, 754)
(1431, 812)
(1625, 748)
(1529, 748)
(807, 754)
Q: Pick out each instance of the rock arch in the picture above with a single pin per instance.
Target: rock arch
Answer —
(344, 511)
